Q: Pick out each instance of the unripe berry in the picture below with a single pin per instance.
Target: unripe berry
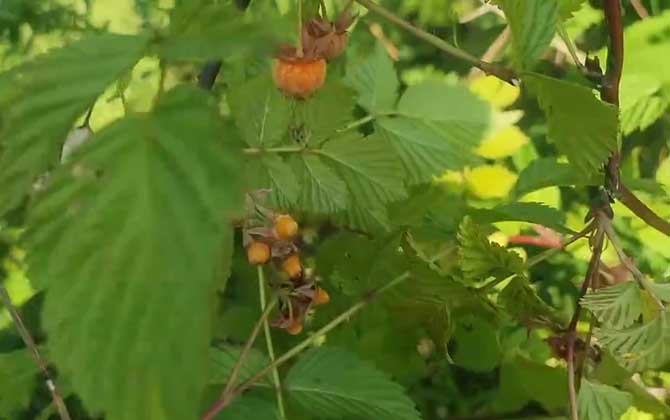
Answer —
(285, 227)
(295, 328)
(321, 297)
(292, 266)
(258, 253)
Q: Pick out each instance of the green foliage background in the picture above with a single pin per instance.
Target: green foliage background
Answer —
(127, 269)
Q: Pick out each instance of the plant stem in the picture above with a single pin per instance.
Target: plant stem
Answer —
(489, 68)
(299, 50)
(245, 350)
(225, 400)
(655, 7)
(268, 341)
(630, 200)
(560, 28)
(286, 149)
(639, 277)
(550, 252)
(56, 397)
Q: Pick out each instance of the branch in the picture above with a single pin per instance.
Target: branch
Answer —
(641, 11)
(591, 273)
(609, 92)
(630, 200)
(500, 72)
(35, 353)
(208, 74)
(225, 400)
(552, 251)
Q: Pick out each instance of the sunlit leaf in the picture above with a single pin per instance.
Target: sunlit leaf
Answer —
(617, 306)
(598, 402)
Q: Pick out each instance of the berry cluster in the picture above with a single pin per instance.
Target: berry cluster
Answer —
(272, 238)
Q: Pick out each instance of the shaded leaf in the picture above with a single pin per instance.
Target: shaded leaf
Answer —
(269, 171)
(334, 384)
(522, 302)
(536, 213)
(136, 228)
(40, 107)
(480, 258)
(322, 191)
(583, 128)
(222, 360)
(548, 172)
(18, 377)
(325, 112)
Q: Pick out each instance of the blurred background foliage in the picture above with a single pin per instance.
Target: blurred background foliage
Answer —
(478, 367)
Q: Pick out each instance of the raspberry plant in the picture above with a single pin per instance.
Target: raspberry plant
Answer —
(409, 246)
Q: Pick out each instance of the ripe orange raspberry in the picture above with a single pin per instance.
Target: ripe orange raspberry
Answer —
(285, 227)
(299, 77)
(295, 327)
(321, 297)
(292, 266)
(258, 253)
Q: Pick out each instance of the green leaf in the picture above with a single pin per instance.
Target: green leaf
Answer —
(328, 110)
(39, 107)
(617, 306)
(249, 408)
(333, 384)
(583, 128)
(641, 104)
(547, 172)
(323, 192)
(269, 171)
(646, 44)
(135, 228)
(372, 173)
(536, 213)
(375, 81)
(599, 402)
(662, 291)
(479, 258)
(18, 377)
(522, 302)
(424, 149)
(260, 111)
(523, 380)
(223, 359)
(568, 7)
(533, 24)
(204, 30)
(640, 347)
(476, 344)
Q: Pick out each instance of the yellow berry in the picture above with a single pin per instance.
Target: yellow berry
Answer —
(285, 227)
(321, 297)
(292, 266)
(258, 253)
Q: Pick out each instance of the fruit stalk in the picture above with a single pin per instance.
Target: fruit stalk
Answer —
(270, 346)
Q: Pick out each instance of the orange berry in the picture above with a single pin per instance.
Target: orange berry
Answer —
(295, 327)
(292, 266)
(258, 253)
(299, 77)
(285, 227)
(321, 297)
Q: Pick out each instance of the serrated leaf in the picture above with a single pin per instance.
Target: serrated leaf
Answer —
(523, 303)
(640, 347)
(617, 306)
(323, 192)
(480, 258)
(269, 171)
(548, 172)
(203, 30)
(424, 149)
(40, 107)
(568, 7)
(222, 360)
(135, 228)
(662, 291)
(599, 402)
(319, 117)
(536, 213)
(375, 81)
(642, 113)
(372, 173)
(18, 377)
(583, 128)
(533, 24)
(334, 384)
(476, 344)
(260, 111)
